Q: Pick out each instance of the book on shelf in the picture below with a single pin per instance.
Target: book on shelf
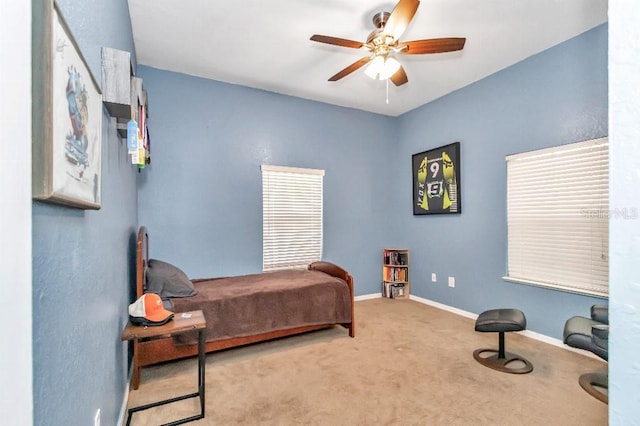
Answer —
(395, 274)
(394, 257)
(397, 290)
(392, 290)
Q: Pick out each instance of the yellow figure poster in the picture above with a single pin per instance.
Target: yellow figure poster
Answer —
(436, 181)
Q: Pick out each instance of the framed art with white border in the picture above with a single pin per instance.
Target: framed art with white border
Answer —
(67, 115)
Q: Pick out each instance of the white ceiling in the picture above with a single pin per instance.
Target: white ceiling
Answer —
(265, 44)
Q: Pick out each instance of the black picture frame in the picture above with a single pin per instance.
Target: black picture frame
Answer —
(436, 181)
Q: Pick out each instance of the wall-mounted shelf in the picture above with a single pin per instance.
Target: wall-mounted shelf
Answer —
(116, 82)
(122, 92)
(124, 96)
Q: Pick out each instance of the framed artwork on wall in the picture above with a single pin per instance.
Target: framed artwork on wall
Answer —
(67, 115)
(436, 181)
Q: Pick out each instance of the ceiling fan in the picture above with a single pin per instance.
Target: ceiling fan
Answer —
(384, 41)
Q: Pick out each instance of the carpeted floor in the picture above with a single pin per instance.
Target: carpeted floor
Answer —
(409, 364)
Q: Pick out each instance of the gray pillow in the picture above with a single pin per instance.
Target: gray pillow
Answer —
(167, 280)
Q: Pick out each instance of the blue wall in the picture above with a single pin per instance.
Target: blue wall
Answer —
(556, 97)
(207, 153)
(83, 263)
(201, 198)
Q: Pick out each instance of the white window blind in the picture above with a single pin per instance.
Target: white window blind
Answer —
(292, 217)
(558, 217)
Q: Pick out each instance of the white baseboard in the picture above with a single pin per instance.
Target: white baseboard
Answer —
(125, 401)
(528, 333)
(367, 296)
(445, 307)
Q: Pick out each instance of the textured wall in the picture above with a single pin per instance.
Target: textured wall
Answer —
(201, 198)
(558, 96)
(83, 263)
(624, 236)
(205, 172)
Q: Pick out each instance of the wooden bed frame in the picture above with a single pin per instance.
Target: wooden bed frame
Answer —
(151, 352)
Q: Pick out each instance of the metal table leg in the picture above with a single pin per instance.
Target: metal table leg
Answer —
(200, 393)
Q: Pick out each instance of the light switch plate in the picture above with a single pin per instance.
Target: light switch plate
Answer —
(452, 282)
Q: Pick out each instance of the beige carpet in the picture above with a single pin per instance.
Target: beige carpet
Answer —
(409, 364)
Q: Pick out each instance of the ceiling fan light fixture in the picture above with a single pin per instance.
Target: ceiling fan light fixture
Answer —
(391, 66)
(375, 67)
(382, 67)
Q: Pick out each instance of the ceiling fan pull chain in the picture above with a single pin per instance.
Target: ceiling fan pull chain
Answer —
(387, 81)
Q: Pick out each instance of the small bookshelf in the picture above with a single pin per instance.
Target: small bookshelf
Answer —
(395, 273)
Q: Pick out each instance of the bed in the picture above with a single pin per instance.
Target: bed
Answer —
(244, 309)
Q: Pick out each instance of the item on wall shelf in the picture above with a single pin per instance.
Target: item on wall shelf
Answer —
(140, 114)
(66, 115)
(436, 181)
(148, 150)
(141, 151)
(136, 128)
(138, 140)
(135, 159)
(132, 135)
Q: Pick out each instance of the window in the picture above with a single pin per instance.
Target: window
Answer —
(291, 217)
(558, 217)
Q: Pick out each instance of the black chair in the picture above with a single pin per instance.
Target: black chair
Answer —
(592, 334)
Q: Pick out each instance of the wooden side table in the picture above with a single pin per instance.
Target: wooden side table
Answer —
(181, 323)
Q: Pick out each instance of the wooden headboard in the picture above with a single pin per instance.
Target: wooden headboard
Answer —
(142, 260)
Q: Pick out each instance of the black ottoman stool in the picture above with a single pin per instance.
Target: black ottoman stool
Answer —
(501, 321)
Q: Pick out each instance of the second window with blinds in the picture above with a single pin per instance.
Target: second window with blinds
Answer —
(291, 217)
(558, 217)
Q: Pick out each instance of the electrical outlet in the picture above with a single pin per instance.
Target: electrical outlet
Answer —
(96, 418)
(452, 282)
(433, 277)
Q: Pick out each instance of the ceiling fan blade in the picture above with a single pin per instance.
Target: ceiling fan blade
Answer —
(434, 45)
(351, 68)
(400, 77)
(336, 41)
(400, 17)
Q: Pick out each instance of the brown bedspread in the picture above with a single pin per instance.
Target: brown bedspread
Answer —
(259, 303)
